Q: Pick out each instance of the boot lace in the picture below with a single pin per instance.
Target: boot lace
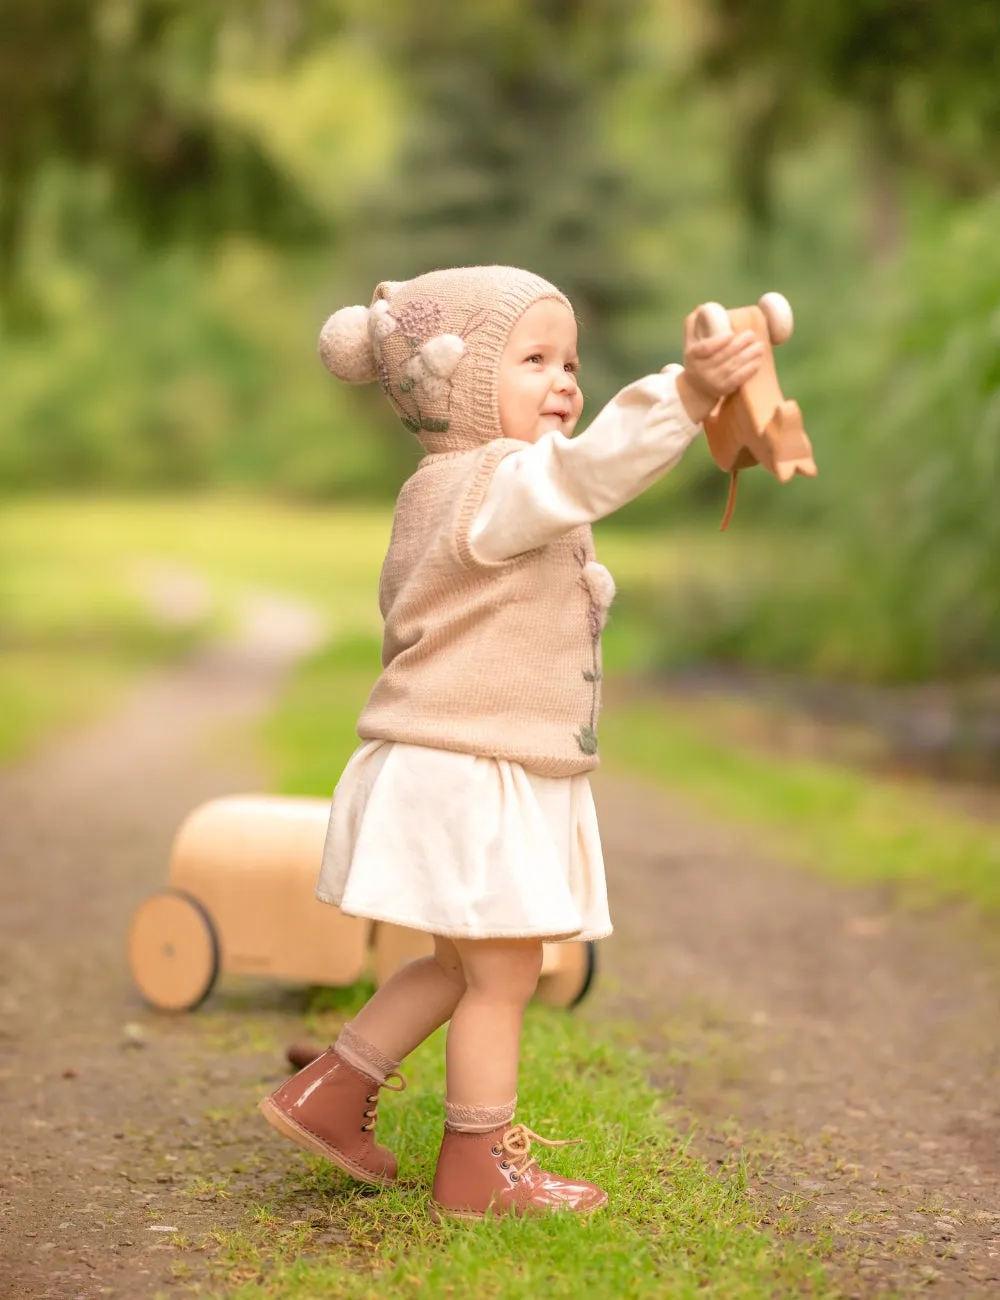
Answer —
(372, 1099)
(516, 1144)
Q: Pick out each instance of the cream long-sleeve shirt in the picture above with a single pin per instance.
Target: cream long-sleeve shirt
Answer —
(558, 483)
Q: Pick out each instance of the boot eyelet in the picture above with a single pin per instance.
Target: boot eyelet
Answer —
(371, 1100)
(497, 1151)
(504, 1164)
(514, 1176)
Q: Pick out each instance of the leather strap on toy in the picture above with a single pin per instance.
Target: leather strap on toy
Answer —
(731, 501)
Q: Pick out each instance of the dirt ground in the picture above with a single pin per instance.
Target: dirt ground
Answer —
(851, 1051)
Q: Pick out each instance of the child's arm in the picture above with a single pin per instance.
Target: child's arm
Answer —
(557, 483)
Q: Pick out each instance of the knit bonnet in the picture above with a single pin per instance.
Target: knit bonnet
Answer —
(434, 344)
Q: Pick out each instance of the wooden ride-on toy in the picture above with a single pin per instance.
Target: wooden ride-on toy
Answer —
(241, 900)
(756, 425)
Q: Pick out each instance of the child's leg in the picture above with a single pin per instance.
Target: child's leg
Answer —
(484, 1038)
(485, 1160)
(418, 999)
(330, 1106)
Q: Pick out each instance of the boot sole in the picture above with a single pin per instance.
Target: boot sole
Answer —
(438, 1213)
(288, 1128)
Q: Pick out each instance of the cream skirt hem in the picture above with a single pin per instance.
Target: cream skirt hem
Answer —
(464, 846)
(395, 920)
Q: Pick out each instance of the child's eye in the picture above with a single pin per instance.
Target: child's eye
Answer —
(535, 356)
(572, 367)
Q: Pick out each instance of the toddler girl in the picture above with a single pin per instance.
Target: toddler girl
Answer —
(466, 811)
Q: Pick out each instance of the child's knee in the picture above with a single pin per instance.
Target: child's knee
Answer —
(447, 957)
(507, 969)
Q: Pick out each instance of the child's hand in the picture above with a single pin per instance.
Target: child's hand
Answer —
(715, 367)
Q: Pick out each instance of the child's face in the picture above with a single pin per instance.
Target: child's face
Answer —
(537, 384)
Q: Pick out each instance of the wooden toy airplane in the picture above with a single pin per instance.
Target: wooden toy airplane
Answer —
(756, 425)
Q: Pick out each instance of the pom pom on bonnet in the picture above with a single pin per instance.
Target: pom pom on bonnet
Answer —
(434, 344)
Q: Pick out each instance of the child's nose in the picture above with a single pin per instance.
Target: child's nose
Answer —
(566, 382)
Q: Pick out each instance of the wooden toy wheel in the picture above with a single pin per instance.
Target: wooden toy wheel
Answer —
(778, 314)
(173, 951)
(569, 982)
(712, 321)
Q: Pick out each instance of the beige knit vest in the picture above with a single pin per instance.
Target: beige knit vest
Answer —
(496, 659)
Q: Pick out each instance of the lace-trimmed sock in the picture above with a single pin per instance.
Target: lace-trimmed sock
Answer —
(478, 1119)
(364, 1056)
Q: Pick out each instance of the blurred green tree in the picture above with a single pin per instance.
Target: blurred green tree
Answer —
(507, 158)
(922, 77)
(118, 91)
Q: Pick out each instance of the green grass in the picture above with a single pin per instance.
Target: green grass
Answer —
(74, 628)
(309, 738)
(329, 557)
(852, 826)
(74, 631)
(673, 1229)
(46, 689)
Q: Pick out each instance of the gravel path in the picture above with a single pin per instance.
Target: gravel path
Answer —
(852, 1051)
(85, 1073)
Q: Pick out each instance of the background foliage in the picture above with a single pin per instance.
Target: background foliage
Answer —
(186, 190)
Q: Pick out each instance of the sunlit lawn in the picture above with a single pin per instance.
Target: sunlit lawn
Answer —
(75, 628)
(673, 1227)
(73, 624)
(73, 631)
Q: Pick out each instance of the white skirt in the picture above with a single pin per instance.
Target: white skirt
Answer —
(464, 847)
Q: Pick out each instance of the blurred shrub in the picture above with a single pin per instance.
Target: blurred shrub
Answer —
(892, 566)
(178, 378)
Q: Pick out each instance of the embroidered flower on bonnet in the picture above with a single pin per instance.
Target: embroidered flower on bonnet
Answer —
(352, 347)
